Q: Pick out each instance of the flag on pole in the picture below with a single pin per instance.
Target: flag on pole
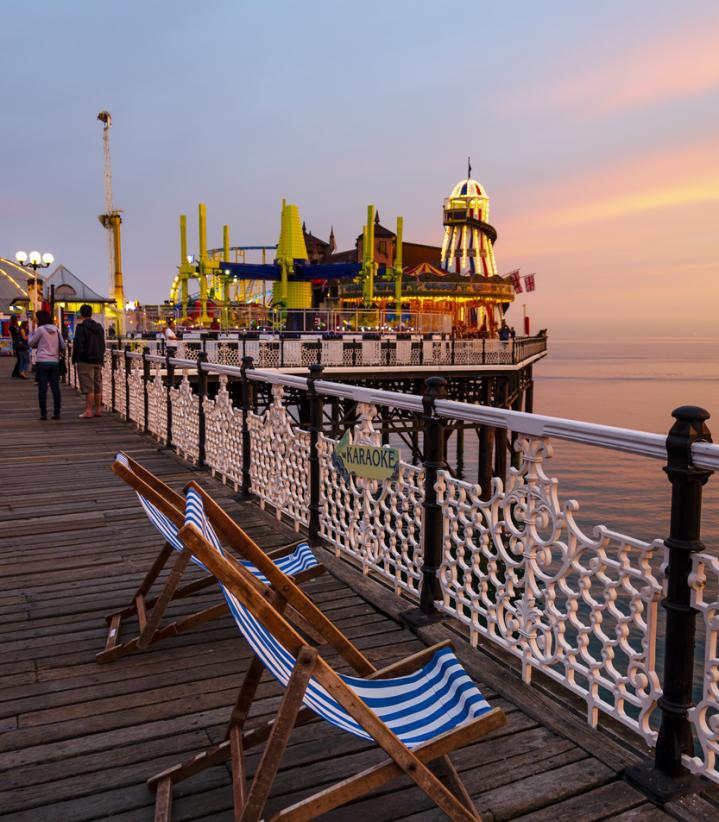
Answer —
(516, 281)
(529, 282)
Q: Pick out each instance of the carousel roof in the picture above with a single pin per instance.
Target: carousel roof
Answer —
(13, 284)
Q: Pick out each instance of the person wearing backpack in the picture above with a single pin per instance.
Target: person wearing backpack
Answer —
(48, 341)
(88, 354)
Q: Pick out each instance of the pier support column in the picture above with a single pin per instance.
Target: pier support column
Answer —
(529, 392)
(666, 777)
(460, 450)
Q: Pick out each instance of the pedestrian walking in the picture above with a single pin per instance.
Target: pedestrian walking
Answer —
(88, 354)
(48, 341)
(15, 334)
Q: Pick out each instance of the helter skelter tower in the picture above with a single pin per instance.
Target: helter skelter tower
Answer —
(467, 248)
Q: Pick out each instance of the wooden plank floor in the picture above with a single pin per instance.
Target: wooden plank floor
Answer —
(78, 739)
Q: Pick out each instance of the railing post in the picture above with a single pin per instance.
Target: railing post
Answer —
(170, 368)
(127, 381)
(201, 394)
(145, 381)
(315, 429)
(486, 443)
(484, 343)
(113, 369)
(452, 354)
(667, 777)
(247, 403)
(434, 461)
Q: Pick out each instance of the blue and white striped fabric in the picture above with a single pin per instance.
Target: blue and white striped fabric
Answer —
(418, 707)
(300, 559)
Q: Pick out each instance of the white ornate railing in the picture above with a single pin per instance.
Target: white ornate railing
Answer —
(185, 420)
(280, 461)
(107, 380)
(517, 570)
(513, 565)
(223, 443)
(352, 350)
(157, 404)
(704, 716)
(377, 523)
(135, 387)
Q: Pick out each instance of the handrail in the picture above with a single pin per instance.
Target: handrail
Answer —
(627, 440)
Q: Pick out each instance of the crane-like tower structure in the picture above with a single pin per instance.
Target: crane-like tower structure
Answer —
(111, 221)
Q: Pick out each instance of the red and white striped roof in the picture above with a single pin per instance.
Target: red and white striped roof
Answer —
(468, 188)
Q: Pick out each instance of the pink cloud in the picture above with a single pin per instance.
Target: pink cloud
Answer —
(675, 65)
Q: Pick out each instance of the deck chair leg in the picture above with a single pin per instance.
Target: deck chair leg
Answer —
(163, 801)
(239, 770)
(358, 785)
(448, 772)
(277, 742)
(114, 620)
(166, 552)
(153, 620)
(246, 695)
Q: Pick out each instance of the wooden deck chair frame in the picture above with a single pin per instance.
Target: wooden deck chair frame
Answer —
(151, 610)
(268, 606)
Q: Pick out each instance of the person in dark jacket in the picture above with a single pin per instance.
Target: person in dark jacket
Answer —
(88, 354)
(15, 334)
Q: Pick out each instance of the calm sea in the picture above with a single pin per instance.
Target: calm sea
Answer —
(632, 384)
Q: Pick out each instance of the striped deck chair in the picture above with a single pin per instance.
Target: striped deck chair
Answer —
(417, 710)
(164, 508)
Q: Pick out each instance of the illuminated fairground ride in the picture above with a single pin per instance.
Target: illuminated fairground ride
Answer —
(458, 280)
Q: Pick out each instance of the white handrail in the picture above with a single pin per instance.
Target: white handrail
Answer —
(627, 440)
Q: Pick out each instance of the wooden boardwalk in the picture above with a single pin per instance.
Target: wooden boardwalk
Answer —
(78, 739)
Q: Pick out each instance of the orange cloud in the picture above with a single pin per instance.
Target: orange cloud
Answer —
(675, 179)
(675, 65)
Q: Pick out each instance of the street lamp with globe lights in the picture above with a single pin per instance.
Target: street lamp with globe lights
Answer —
(34, 260)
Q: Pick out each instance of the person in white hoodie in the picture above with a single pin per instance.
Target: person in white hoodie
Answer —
(48, 341)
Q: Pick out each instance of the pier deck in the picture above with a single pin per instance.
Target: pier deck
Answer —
(78, 739)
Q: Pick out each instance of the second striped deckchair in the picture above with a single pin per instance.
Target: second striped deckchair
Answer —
(164, 508)
(417, 710)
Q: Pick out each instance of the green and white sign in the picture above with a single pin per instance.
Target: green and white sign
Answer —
(367, 461)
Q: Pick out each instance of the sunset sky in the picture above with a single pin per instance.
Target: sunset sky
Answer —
(594, 128)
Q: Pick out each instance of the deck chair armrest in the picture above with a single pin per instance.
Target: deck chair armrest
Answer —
(411, 663)
(310, 573)
(284, 550)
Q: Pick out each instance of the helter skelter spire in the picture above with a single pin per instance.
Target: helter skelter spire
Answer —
(468, 236)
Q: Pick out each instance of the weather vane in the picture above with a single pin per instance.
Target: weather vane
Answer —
(469, 168)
